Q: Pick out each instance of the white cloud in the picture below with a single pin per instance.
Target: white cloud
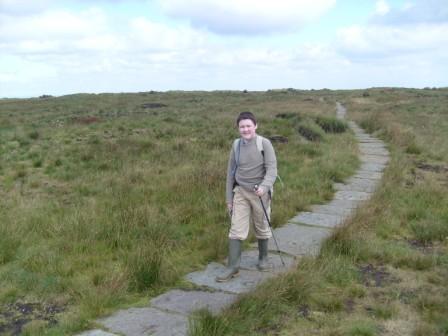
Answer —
(383, 41)
(382, 7)
(22, 7)
(249, 16)
(53, 24)
(150, 35)
(414, 12)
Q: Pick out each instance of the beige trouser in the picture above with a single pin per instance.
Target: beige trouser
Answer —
(247, 206)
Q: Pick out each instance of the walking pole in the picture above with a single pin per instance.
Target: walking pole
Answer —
(270, 226)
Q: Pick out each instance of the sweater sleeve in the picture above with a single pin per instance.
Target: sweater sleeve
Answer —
(230, 181)
(270, 164)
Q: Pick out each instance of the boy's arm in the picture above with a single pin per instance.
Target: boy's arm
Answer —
(270, 164)
(230, 180)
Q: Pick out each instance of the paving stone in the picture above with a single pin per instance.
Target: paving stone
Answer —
(245, 282)
(317, 219)
(96, 332)
(186, 302)
(346, 204)
(352, 195)
(374, 159)
(299, 240)
(146, 321)
(358, 184)
(369, 166)
(369, 175)
(332, 210)
(365, 137)
(370, 141)
(249, 260)
(354, 187)
(340, 111)
(374, 151)
(373, 146)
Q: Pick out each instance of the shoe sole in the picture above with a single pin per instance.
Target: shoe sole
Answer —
(228, 279)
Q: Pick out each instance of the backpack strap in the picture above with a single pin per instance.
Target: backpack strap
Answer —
(260, 144)
(236, 151)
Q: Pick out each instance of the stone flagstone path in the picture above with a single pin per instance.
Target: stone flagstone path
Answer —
(303, 235)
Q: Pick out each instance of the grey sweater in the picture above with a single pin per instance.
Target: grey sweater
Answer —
(252, 168)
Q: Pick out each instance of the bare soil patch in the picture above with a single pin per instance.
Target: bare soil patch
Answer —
(86, 120)
(376, 276)
(14, 316)
(153, 105)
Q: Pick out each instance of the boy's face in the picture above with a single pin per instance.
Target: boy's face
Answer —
(247, 128)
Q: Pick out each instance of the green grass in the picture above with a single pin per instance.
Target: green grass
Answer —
(385, 271)
(106, 203)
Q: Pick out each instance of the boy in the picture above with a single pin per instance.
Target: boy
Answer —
(251, 173)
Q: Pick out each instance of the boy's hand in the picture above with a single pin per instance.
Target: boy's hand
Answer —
(230, 208)
(260, 191)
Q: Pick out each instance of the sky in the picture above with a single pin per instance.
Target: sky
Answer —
(59, 47)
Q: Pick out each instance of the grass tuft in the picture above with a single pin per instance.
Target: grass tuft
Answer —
(310, 131)
(428, 231)
(204, 323)
(361, 328)
(331, 124)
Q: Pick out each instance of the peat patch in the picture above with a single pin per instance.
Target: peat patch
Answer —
(153, 105)
(14, 316)
(87, 120)
(278, 138)
(375, 276)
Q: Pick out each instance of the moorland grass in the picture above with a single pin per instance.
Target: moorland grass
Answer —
(385, 271)
(110, 199)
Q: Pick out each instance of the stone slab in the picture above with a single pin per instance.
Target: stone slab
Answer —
(299, 240)
(357, 184)
(374, 151)
(373, 147)
(352, 195)
(374, 159)
(362, 181)
(355, 127)
(243, 283)
(358, 131)
(186, 302)
(317, 219)
(368, 166)
(146, 321)
(332, 210)
(366, 137)
(370, 140)
(369, 175)
(347, 204)
(249, 260)
(354, 187)
(96, 332)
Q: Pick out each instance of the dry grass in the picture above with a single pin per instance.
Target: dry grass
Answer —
(384, 273)
(112, 198)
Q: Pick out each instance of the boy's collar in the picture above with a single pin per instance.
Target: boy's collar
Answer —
(245, 141)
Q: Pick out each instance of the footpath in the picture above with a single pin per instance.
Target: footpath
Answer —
(303, 235)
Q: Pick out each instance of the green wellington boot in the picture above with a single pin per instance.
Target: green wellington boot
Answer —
(263, 264)
(233, 265)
